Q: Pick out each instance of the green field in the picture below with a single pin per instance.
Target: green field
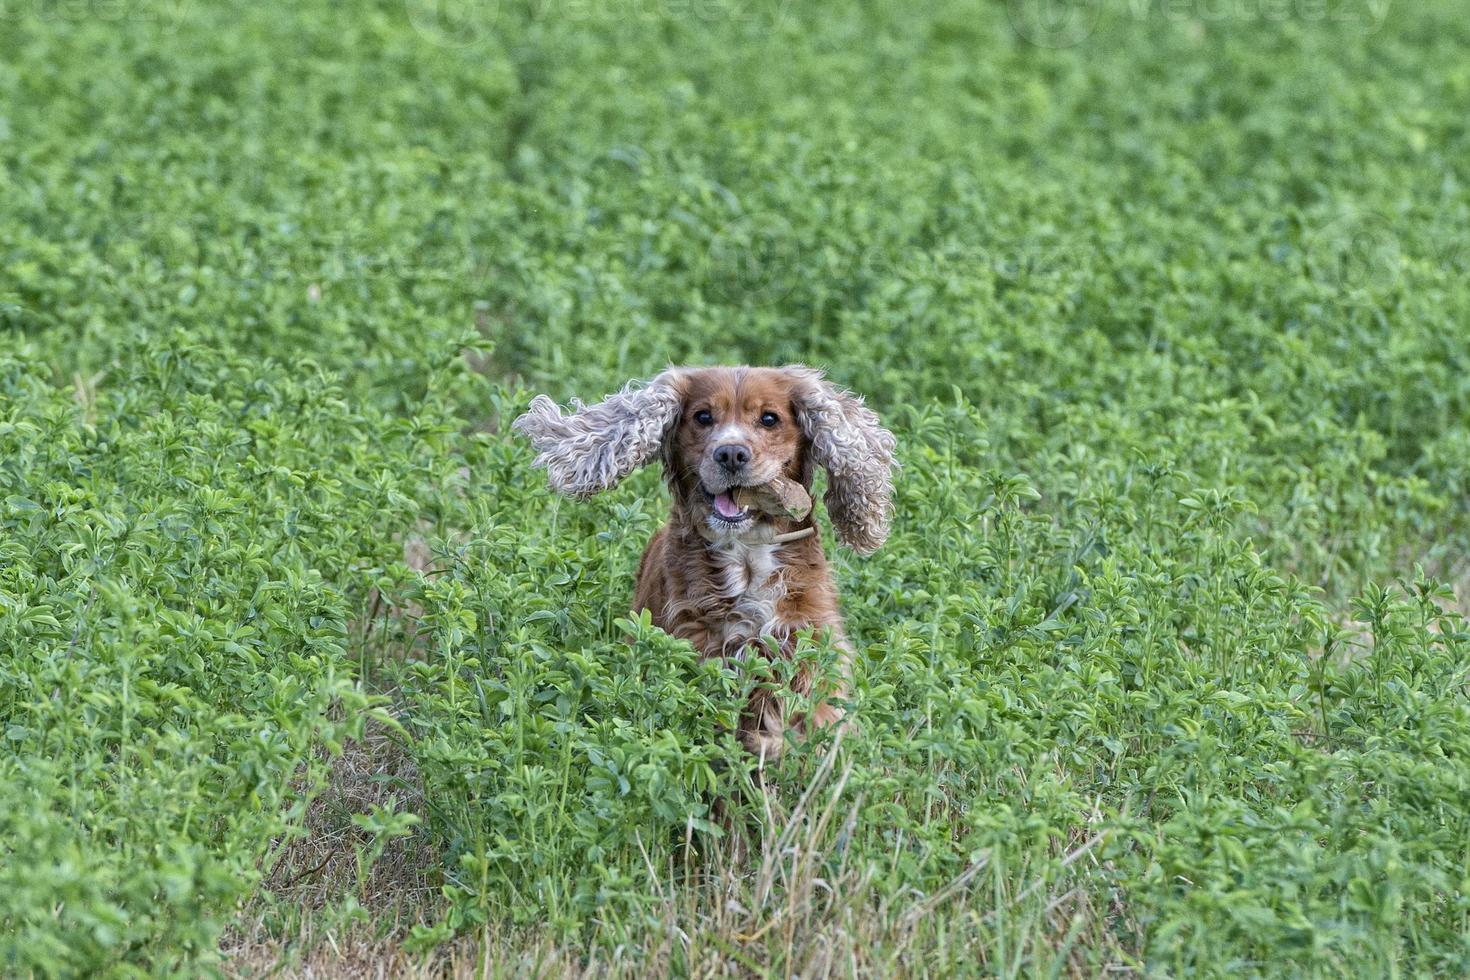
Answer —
(1164, 670)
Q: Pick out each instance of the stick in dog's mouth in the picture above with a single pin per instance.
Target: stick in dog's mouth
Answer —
(779, 498)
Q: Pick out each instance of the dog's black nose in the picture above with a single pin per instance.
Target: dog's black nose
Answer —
(733, 456)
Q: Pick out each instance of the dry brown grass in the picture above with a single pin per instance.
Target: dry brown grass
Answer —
(303, 923)
(778, 905)
(315, 872)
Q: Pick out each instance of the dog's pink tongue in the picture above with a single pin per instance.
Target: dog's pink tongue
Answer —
(726, 506)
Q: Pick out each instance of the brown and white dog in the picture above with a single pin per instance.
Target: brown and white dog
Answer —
(725, 577)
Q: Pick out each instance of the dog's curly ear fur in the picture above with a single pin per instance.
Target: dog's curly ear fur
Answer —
(850, 442)
(595, 446)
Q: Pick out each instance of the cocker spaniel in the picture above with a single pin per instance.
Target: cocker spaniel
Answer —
(729, 574)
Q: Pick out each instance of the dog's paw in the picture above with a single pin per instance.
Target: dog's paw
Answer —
(765, 745)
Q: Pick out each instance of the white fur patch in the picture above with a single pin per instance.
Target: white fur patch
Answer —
(750, 577)
(730, 432)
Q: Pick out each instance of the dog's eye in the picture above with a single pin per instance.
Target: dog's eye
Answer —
(770, 419)
(704, 417)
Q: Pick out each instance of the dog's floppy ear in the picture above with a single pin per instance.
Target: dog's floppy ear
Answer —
(848, 440)
(595, 446)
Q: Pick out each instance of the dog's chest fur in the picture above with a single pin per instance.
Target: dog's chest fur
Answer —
(748, 580)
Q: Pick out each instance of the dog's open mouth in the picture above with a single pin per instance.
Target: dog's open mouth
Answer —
(725, 508)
